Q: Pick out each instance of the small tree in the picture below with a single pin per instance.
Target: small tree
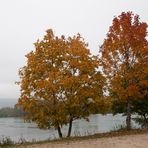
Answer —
(60, 82)
(124, 59)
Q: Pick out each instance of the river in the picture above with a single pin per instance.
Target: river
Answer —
(16, 129)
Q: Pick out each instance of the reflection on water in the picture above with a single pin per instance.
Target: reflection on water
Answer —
(15, 128)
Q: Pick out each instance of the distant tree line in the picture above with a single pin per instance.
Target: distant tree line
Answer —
(11, 112)
(62, 81)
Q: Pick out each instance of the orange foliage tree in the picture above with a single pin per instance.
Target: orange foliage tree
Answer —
(124, 57)
(60, 82)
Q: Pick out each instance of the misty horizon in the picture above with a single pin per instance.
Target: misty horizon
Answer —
(7, 102)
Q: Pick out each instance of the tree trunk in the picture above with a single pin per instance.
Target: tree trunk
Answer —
(70, 127)
(59, 132)
(128, 118)
(145, 120)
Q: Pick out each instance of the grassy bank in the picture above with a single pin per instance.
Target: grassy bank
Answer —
(121, 132)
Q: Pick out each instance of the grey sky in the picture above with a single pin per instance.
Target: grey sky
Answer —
(22, 22)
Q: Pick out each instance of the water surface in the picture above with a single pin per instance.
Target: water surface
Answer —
(16, 129)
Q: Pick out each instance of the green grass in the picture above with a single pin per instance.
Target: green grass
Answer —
(6, 142)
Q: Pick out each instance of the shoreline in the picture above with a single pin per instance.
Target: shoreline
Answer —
(100, 137)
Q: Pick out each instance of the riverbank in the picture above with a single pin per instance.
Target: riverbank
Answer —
(17, 129)
(120, 139)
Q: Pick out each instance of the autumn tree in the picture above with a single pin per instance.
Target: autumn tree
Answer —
(140, 106)
(60, 82)
(124, 59)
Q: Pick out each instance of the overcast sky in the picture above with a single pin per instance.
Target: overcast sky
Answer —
(22, 22)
